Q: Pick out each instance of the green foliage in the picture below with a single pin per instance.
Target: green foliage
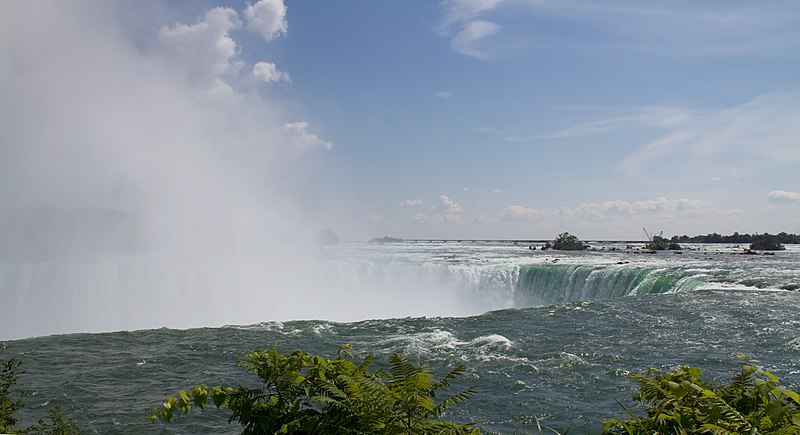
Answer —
(304, 393)
(11, 402)
(767, 242)
(8, 404)
(783, 237)
(681, 402)
(568, 242)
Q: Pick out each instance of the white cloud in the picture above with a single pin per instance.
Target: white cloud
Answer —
(465, 40)
(463, 10)
(446, 211)
(685, 29)
(783, 196)
(447, 205)
(658, 206)
(759, 131)
(302, 140)
(520, 213)
(267, 17)
(375, 218)
(423, 219)
(267, 72)
(204, 51)
(497, 191)
(444, 95)
(600, 211)
(651, 116)
(411, 202)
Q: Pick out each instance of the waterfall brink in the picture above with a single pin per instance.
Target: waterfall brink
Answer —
(56, 290)
(545, 284)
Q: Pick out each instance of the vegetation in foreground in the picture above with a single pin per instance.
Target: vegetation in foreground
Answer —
(12, 401)
(311, 394)
(681, 402)
(304, 393)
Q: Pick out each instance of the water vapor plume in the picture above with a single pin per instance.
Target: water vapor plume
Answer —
(142, 174)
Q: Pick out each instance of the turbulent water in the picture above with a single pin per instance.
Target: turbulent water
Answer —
(548, 335)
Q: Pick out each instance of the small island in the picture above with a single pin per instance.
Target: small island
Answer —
(568, 242)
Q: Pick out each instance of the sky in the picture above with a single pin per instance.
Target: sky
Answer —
(464, 119)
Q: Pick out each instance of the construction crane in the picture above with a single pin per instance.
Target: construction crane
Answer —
(649, 236)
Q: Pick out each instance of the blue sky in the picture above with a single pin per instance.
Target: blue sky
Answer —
(416, 119)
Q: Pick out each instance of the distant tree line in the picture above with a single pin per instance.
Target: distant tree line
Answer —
(737, 238)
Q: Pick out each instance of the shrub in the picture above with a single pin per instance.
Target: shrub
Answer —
(306, 393)
(767, 242)
(568, 242)
(11, 402)
(681, 402)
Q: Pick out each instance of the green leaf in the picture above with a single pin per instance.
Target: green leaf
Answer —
(218, 396)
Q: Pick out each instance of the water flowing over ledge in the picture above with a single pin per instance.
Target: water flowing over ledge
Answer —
(49, 294)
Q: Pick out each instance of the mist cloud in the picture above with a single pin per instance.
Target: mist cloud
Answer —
(92, 119)
(151, 137)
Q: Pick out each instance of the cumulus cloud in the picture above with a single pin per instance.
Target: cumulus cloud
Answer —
(411, 202)
(520, 213)
(446, 211)
(447, 205)
(658, 206)
(205, 50)
(268, 72)
(302, 140)
(267, 17)
(599, 211)
(783, 196)
(424, 219)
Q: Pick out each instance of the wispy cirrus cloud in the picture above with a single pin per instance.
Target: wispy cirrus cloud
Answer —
(466, 40)
(464, 26)
(444, 95)
(760, 130)
(690, 28)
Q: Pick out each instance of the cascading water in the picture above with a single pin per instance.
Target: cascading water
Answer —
(55, 294)
(545, 284)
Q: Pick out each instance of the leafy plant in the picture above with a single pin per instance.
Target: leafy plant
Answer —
(11, 402)
(568, 242)
(681, 402)
(304, 393)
